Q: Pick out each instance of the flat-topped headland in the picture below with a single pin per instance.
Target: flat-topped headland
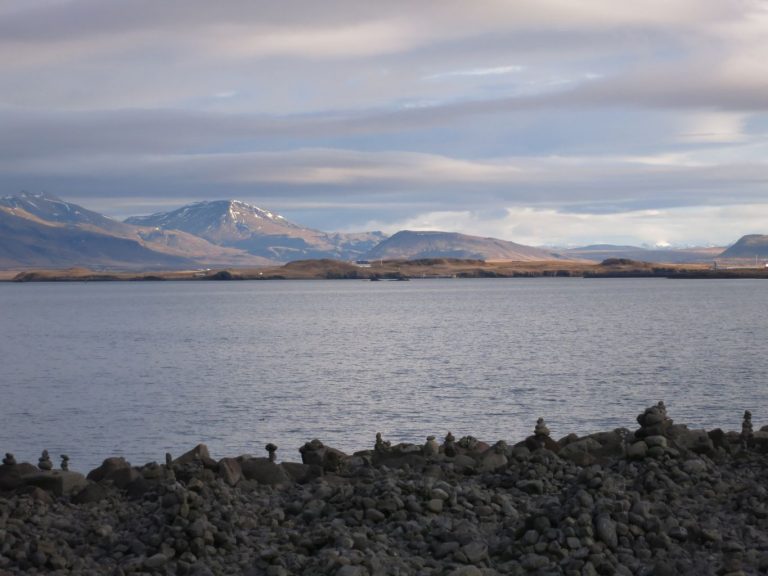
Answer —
(658, 500)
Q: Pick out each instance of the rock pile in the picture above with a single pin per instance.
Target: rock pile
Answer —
(595, 506)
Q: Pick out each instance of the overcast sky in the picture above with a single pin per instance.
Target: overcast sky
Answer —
(557, 122)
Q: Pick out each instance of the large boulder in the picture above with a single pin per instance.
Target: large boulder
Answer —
(581, 452)
(760, 440)
(264, 471)
(494, 458)
(697, 441)
(301, 473)
(108, 469)
(315, 453)
(11, 475)
(115, 470)
(230, 470)
(598, 447)
(91, 493)
(198, 454)
(59, 482)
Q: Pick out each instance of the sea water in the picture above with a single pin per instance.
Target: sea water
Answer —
(141, 368)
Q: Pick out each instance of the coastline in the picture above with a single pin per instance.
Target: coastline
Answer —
(402, 270)
(661, 499)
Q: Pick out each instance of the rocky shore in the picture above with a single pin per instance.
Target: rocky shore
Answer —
(659, 500)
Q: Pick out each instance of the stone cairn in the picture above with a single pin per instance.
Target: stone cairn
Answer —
(271, 450)
(541, 432)
(381, 446)
(747, 433)
(449, 445)
(540, 438)
(651, 438)
(431, 447)
(9, 460)
(44, 462)
(65, 462)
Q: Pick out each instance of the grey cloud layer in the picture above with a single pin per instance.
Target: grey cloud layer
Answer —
(394, 108)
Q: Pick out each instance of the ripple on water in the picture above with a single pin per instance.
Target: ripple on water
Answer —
(142, 368)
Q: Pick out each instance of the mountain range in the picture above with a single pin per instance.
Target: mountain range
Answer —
(43, 231)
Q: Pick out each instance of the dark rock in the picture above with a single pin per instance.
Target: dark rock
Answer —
(61, 483)
(11, 476)
(606, 531)
(697, 441)
(301, 473)
(264, 471)
(230, 470)
(315, 453)
(108, 466)
(464, 464)
(198, 454)
(91, 493)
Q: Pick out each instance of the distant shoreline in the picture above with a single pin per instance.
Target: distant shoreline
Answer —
(432, 268)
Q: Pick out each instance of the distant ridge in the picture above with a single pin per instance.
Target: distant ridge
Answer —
(600, 252)
(411, 245)
(749, 246)
(28, 241)
(41, 230)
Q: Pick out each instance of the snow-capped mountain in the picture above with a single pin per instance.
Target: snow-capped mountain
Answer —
(219, 221)
(54, 210)
(260, 232)
(41, 230)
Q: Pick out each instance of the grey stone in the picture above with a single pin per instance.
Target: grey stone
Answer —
(230, 471)
(475, 552)
(198, 454)
(157, 561)
(531, 486)
(61, 483)
(91, 493)
(375, 515)
(467, 571)
(606, 531)
(694, 466)
(638, 450)
(534, 561)
(653, 441)
(107, 468)
(264, 472)
(350, 570)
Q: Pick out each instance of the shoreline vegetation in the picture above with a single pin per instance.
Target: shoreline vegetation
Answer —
(405, 270)
(660, 500)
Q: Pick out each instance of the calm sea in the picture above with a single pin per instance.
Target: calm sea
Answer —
(138, 369)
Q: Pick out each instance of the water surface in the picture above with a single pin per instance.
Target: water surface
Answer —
(138, 369)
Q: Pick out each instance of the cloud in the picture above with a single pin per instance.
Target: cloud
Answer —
(701, 225)
(494, 71)
(577, 108)
(714, 127)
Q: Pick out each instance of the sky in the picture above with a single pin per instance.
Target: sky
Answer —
(545, 122)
